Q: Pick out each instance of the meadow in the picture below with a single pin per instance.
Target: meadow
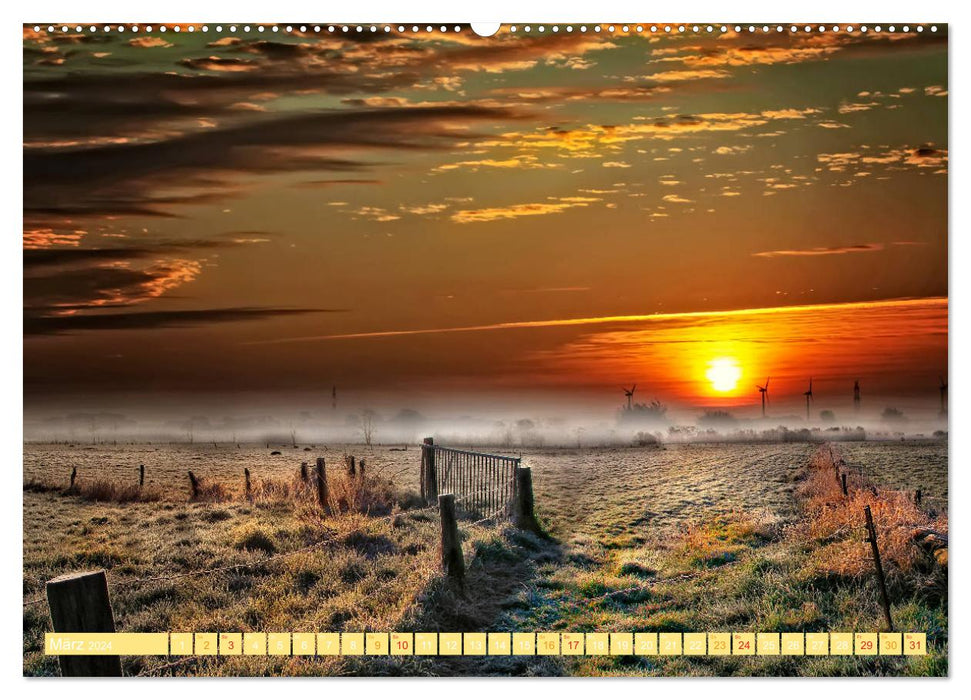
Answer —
(673, 538)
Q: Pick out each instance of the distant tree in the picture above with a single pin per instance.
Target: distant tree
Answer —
(367, 426)
(712, 419)
(646, 439)
(408, 417)
(893, 415)
(827, 416)
(525, 424)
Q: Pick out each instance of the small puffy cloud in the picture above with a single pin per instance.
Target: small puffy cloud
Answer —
(616, 164)
(790, 113)
(149, 42)
(731, 150)
(849, 107)
(523, 162)
(676, 199)
(515, 211)
(49, 238)
(378, 214)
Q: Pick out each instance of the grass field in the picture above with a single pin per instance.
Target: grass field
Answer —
(682, 538)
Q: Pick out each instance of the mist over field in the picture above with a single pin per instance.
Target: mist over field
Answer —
(530, 423)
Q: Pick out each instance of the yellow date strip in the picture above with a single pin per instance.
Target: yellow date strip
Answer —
(311, 644)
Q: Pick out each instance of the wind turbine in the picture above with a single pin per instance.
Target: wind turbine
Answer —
(943, 396)
(764, 390)
(856, 395)
(629, 393)
(808, 395)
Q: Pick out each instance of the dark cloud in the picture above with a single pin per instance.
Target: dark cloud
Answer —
(217, 63)
(57, 325)
(126, 178)
(66, 257)
(111, 284)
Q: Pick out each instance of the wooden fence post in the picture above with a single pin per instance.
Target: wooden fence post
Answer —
(431, 478)
(194, 483)
(917, 497)
(523, 516)
(322, 486)
(249, 486)
(422, 478)
(872, 539)
(141, 475)
(453, 562)
(79, 603)
(843, 478)
(304, 476)
(350, 463)
(74, 475)
(360, 468)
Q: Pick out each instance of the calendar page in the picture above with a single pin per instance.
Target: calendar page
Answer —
(436, 349)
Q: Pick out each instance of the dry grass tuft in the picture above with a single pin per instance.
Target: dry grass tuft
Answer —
(719, 539)
(346, 493)
(838, 525)
(98, 490)
(211, 492)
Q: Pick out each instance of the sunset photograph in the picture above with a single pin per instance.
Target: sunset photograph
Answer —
(631, 335)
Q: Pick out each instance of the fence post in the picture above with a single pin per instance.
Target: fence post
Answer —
(322, 486)
(523, 515)
(453, 563)
(843, 478)
(194, 483)
(249, 487)
(350, 462)
(304, 476)
(80, 603)
(74, 475)
(872, 539)
(431, 478)
(360, 468)
(917, 498)
(141, 475)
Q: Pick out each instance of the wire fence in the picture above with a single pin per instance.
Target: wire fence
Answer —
(481, 482)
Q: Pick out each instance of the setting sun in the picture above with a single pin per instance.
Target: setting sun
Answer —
(723, 373)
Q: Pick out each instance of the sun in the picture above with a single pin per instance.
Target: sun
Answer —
(723, 373)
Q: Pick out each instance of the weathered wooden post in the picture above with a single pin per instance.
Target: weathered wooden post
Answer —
(249, 486)
(523, 516)
(872, 539)
(74, 475)
(917, 498)
(322, 486)
(843, 477)
(360, 468)
(304, 476)
(453, 562)
(350, 463)
(79, 603)
(141, 475)
(431, 478)
(194, 483)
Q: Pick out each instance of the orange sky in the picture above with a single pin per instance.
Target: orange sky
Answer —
(209, 213)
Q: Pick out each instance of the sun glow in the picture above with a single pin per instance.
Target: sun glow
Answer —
(723, 373)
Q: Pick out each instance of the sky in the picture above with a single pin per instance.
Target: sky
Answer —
(441, 217)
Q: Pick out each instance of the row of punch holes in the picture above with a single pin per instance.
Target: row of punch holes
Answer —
(512, 29)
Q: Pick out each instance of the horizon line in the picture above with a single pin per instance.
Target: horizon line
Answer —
(600, 320)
